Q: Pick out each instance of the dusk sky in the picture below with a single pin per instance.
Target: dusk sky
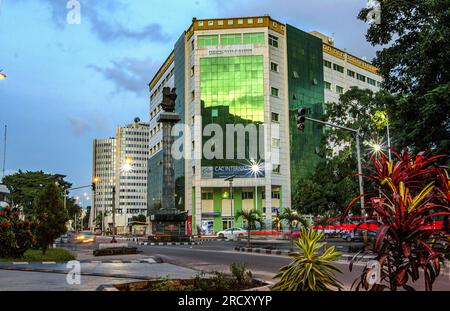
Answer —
(68, 84)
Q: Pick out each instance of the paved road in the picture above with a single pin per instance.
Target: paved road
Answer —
(218, 255)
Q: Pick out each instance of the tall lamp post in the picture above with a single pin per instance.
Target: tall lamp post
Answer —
(256, 169)
(230, 180)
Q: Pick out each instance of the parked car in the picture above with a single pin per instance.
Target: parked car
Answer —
(64, 238)
(357, 236)
(231, 233)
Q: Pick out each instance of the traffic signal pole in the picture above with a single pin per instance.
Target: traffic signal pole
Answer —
(358, 147)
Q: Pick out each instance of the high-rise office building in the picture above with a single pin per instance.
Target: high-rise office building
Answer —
(120, 164)
(246, 71)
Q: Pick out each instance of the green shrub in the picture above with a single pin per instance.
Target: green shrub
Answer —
(310, 270)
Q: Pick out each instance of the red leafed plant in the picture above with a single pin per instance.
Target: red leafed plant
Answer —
(15, 234)
(415, 192)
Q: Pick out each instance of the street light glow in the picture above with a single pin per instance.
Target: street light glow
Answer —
(126, 167)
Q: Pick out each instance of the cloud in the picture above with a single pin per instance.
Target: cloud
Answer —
(102, 25)
(87, 124)
(129, 74)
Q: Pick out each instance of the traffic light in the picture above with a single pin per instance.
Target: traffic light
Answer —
(93, 187)
(301, 119)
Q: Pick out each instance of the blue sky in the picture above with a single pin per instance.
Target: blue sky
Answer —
(68, 84)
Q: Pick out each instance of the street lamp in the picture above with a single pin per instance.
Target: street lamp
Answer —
(255, 169)
(2, 75)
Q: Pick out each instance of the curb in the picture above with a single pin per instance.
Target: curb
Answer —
(262, 251)
(168, 243)
(150, 260)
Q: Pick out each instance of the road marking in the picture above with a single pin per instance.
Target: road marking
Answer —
(49, 262)
(148, 260)
(116, 261)
(20, 263)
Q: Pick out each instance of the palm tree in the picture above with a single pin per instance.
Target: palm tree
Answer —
(293, 219)
(252, 217)
(310, 269)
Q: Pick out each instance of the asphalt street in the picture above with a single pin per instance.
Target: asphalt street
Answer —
(218, 255)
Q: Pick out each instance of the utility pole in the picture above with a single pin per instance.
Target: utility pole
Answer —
(230, 180)
(4, 153)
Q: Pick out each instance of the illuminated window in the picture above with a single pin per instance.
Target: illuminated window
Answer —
(230, 22)
(208, 40)
(254, 38)
(231, 39)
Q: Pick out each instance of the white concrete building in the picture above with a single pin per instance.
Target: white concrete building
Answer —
(120, 163)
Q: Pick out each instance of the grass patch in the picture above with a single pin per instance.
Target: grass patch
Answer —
(52, 254)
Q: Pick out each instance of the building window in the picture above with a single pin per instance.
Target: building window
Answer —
(208, 40)
(192, 96)
(327, 85)
(339, 89)
(350, 73)
(275, 143)
(231, 39)
(247, 195)
(360, 77)
(210, 23)
(273, 41)
(260, 20)
(250, 21)
(371, 81)
(275, 194)
(295, 75)
(274, 91)
(254, 38)
(240, 21)
(192, 45)
(220, 23)
(207, 195)
(200, 23)
(338, 68)
(275, 117)
(276, 168)
(274, 66)
(230, 22)
(379, 84)
(327, 64)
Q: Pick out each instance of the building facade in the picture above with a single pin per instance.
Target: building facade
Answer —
(252, 74)
(120, 172)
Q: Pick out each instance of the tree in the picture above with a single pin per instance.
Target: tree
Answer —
(414, 66)
(293, 219)
(50, 216)
(139, 218)
(311, 269)
(25, 187)
(252, 217)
